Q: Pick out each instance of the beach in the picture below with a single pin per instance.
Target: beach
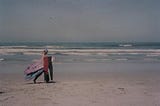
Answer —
(103, 52)
(85, 74)
(95, 85)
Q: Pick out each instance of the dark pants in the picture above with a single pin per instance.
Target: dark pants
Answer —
(37, 76)
(51, 70)
(46, 77)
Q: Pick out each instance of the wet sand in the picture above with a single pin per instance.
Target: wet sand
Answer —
(82, 89)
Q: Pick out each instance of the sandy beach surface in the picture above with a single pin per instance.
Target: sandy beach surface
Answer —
(121, 88)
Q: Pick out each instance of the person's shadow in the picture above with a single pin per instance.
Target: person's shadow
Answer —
(1, 92)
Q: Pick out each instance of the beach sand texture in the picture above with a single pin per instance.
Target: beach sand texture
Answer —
(105, 89)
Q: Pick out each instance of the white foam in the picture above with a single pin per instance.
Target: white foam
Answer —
(76, 53)
(125, 45)
(10, 47)
(153, 54)
(122, 59)
(1, 59)
(103, 52)
(53, 47)
(150, 59)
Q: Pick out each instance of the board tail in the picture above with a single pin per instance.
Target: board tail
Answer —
(33, 75)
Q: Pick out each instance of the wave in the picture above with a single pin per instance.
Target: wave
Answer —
(53, 47)
(122, 59)
(125, 45)
(10, 47)
(83, 52)
(102, 52)
(153, 55)
(1, 59)
(81, 45)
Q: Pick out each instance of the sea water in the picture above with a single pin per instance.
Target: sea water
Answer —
(15, 56)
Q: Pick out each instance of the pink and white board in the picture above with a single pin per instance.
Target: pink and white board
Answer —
(33, 67)
(33, 75)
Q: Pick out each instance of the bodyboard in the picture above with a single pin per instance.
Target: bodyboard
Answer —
(33, 67)
(33, 75)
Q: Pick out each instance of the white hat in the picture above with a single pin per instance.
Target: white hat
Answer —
(46, 50)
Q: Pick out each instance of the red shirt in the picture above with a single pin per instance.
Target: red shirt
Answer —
(45, 64)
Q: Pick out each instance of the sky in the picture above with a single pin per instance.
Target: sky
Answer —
(80, 20)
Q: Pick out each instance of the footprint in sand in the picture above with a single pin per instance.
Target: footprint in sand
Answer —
(122, 90)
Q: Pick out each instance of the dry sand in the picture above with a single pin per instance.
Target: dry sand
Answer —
(107, 89)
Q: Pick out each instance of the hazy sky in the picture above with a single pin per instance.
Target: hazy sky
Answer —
(79, 20)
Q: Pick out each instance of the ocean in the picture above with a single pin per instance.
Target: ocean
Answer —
(19, 54)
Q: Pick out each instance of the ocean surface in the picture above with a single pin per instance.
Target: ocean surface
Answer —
(17, 54)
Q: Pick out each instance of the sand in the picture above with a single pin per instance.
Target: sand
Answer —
(91, 89)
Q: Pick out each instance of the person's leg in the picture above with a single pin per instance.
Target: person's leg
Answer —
(46, 77)
(51, 70)
(37, 77)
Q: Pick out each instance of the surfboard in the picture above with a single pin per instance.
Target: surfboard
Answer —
(33, 75)
(33, 67)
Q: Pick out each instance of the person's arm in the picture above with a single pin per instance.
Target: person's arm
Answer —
(42, 59)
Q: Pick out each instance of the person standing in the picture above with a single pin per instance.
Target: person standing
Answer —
(45, 67)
